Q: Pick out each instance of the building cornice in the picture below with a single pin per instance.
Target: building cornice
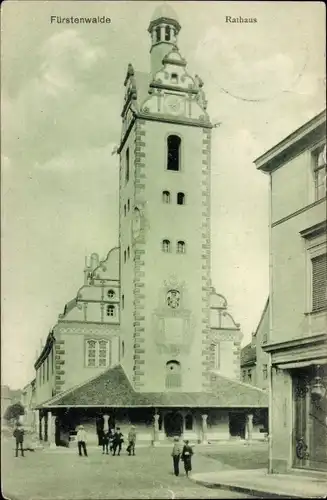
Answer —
(45, 351)
(291, 344)
(298, 212)
(301, 139)
(314, 231)
(175, 120)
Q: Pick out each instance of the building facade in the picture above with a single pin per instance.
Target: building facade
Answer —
(254, 360)
(168, 359)
(297, 339)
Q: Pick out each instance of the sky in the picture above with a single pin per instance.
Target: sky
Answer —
(61, 99)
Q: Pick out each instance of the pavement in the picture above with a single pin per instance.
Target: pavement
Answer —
(259, 483)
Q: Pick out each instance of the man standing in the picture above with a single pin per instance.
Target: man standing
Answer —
(19, 436)
(81, 441)
(131, 441)
(176, 454)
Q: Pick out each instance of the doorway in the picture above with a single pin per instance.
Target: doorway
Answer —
(237, 421)
(173, 424)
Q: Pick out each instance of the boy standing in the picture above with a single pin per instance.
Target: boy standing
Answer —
(131, 441)
(117, 441)
(81, 441)
(19, 436)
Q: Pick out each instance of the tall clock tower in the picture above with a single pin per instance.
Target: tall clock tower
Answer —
(165, 219)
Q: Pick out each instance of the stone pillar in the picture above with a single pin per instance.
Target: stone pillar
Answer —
(156, 428)
(172, 35)
(162, 32)
(249, 426)
(40, 426)
(204, 429)
(51, 434)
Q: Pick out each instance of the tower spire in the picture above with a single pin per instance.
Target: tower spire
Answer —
(163, 28)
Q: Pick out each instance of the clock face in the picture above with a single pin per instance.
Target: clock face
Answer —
(174, 105)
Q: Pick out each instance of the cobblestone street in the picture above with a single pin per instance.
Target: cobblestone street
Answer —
(62, 474)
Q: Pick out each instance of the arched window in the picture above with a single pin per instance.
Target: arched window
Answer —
(180, 198)
(166, 196)
(181, 247)
(173, 152)
(166, 246)
(123, 301)
(122, 348)
(91, 348)
(125, 209)
(128, 205)
(174, 78)
(173, 374)
(167, 33)
(124, 255)
(189, 422)
(127, 166)
(110, 310)
(128, 253)
(111, 294)
(158, 34)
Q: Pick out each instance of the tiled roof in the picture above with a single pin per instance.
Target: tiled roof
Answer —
(113, 389)
(248, 355)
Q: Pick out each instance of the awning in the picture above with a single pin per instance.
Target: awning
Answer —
(301, 364)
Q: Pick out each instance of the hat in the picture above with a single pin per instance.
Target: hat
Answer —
(176, 438)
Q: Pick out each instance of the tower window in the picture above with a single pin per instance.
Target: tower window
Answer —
(125, 209)
(158, 34)
(181, 247)
(173, 374)
(128, 205)
(124, 255)
(167, 33)
(166, 196)
(123, 301)
(173, 152)
(111, 294)
(174, 78)
(127, 166)
(122, 348)
(180, 199)
(97, 353)
(166, 246)
(128, 252)
(110, 310)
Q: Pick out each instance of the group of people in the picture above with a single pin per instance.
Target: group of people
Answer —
(182, 454)
(111, 440)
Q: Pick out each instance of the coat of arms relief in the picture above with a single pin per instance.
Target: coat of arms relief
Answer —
(172, 321)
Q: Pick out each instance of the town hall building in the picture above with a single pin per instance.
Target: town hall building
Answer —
(147, 340)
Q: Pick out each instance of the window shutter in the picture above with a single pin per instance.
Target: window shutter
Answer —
(319, 282)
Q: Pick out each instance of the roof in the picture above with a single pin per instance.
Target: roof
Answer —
(164, 10)
(113, 389)
(248, 354)
(303, 137)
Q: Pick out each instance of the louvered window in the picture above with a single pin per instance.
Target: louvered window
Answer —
(319, 282)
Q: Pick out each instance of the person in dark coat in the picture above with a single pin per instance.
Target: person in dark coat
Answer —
(117, 441)
(176, 454)
(105, 442)
(186, 456)
(19, 436)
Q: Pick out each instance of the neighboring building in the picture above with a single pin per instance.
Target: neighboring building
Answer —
(297, 339)
(254, 360)
(168, 358)
(28, 400)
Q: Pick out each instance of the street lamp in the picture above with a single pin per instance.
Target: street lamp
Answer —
(318, 388)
